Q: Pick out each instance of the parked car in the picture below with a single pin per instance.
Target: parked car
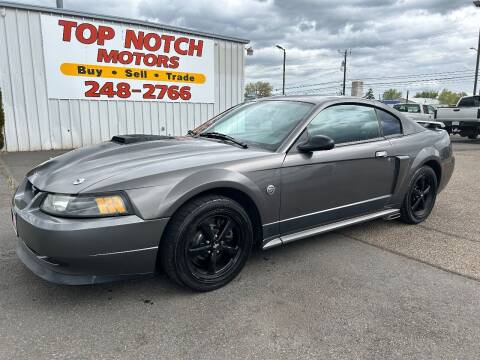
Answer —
(463, 119)
(264, 173)
(417, 112)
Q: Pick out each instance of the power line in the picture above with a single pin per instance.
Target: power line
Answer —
(323, 71)
(445, 80)
(403, 82)
(386, 77)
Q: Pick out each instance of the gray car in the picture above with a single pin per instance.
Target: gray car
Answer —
(264, 173)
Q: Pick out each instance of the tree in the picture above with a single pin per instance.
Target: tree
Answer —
(369, 95)
(429, 94)
(392, 94)
(448, 97)
(258, 89)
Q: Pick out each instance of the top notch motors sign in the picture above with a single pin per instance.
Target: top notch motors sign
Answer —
(93, 61)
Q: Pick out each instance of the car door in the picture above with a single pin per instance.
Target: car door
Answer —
(354, 178)
(431, 112)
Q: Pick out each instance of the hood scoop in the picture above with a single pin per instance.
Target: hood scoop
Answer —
(137, 138)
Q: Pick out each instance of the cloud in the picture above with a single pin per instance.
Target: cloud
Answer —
(387, 38)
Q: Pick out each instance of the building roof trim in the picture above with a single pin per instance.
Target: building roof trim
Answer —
(50, 10)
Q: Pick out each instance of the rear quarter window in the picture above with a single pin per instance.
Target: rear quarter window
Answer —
(390, 125)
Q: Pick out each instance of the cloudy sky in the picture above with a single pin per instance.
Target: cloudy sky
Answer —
(406, 44)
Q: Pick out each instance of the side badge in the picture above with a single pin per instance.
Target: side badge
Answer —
(78, 181)
(270, 189)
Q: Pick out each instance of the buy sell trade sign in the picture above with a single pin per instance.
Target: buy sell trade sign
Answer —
(93, 61)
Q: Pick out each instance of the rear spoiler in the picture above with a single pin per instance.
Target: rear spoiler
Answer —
(431, 124)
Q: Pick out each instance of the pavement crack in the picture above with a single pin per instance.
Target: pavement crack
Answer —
(12, 183)
(447, 233)
(470, 277)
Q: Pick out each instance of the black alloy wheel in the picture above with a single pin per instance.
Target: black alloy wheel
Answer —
(207, 243)
(215, 246)
(421, 196)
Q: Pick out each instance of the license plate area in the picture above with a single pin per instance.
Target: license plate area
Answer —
(455, 123)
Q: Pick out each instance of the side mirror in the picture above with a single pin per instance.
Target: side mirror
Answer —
(316, 143)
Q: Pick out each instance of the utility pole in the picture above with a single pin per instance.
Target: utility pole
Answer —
(344, 72)
(476, 67)
(477, 4)
(345, 54)
(284, 61)
(60, 4)
(407, 96)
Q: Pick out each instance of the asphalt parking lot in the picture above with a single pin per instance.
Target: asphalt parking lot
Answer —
(375, 291)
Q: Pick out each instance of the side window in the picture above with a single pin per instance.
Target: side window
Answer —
(391, 126)
(413, 108)
(467, 102)
(346, 123)
(431, 109)
(425, 109)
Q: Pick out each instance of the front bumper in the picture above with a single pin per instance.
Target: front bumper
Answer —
(86, 251)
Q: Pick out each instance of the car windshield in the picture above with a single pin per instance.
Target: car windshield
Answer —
(264, 124)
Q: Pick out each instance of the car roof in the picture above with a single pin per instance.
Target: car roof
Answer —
(320, 100)
(314, 99)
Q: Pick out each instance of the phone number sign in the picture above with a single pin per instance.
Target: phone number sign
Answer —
(94, 61)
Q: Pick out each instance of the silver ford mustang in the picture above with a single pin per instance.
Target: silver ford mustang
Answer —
(263, 173)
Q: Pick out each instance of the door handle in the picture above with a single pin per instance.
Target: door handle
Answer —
(381, 154)
(456, 110)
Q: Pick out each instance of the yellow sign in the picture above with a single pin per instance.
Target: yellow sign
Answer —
(117, 72)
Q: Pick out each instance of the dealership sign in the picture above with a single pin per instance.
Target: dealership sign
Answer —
(94, 61)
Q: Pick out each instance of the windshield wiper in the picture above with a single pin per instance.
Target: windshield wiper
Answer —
(217, 135)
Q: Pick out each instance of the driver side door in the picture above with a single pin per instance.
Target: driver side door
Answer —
(356, 177)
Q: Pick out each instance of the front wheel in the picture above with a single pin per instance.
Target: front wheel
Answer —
(421, 196)
(207, 243)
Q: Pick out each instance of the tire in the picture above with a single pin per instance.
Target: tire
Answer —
(199, 250)
(420, 197)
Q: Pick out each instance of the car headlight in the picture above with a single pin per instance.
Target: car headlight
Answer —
(85, 206)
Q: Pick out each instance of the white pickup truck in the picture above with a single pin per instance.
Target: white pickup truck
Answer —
(463, 119)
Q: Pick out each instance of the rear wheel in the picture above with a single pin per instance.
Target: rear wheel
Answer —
(207, 243)
(421, 196)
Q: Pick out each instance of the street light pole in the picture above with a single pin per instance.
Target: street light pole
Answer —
(284, 62)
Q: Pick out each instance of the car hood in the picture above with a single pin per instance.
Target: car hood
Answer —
(133, 165)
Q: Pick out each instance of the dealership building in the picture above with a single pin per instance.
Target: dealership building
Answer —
(70, 79)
